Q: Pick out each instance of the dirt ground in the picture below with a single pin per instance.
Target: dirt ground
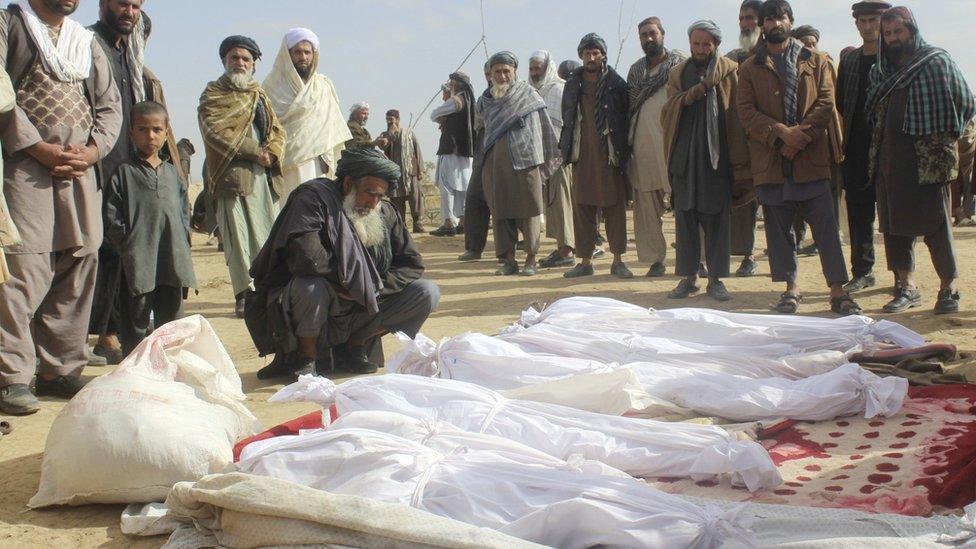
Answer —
(473, 299)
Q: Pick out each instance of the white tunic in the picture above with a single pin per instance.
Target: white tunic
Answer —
(639, 447)
(555, 506)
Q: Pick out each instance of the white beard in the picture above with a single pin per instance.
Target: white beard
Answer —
(240, 80)
(749, 39)
(499, 90)
(369, 227)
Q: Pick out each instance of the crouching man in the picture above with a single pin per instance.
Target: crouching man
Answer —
(338, 271)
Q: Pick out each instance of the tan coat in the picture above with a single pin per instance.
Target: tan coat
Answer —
(760, 107)
(726, 78)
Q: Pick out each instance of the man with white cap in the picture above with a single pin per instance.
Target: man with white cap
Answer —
(308, 107)
(361, 139)
(557, 190)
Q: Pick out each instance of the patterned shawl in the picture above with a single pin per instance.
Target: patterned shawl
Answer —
(503, 113)
(791, 54)
(643, 82)
(939, 100)
(226, 114)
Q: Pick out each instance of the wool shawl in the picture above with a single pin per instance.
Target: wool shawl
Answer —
(643, 82)
(226, 114)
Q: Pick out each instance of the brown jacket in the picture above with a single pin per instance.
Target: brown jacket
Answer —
(726, 78)
(760, 107)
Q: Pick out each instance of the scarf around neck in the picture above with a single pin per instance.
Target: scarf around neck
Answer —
(71, 59)
(643, 82)
(503, 113)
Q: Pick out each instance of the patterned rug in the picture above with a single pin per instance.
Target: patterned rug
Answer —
(919, 462)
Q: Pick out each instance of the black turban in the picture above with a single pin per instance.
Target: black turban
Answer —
(592, 40)
(238, 41)
(805, 30)
(503, 58)
(567, 67)
(368, 162)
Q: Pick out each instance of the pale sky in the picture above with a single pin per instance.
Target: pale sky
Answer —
(396, 53)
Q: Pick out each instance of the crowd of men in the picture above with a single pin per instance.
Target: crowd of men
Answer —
(311, 209)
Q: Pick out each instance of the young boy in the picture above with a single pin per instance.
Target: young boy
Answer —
(147, 217)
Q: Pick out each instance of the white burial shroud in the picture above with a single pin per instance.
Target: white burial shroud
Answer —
(639, 447)
(804, 333)
(686, 386)
(536, 500)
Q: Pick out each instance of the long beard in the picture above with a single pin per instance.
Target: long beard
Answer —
(304, 73)
(369, 227)
(653, 50)
(749, 39)
(240, 80)
(777, 36)
(499, 90)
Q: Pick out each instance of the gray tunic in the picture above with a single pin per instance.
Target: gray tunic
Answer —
(148, 219)
(510, 193)
(55, 215)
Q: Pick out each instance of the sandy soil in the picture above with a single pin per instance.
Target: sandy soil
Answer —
(472, 300)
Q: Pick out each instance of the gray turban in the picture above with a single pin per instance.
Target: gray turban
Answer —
(503, 58)
(238, 41)
(592, 40)
(567, 67)
(805, 30)
(708, 26)
(368, 162)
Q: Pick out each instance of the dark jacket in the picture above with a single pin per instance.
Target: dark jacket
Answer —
(612, 115)
(760, 107)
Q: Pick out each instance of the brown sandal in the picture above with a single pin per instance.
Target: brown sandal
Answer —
(844, 305)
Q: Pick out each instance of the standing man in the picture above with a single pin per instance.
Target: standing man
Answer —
(648, 169)
(520, 152)
(706, 149)
(745, 207)
(455, 151)
(358, 115)
(477, 216)
(919, 104)
(122, 31)
(308, 107)
(67, 117)
(786, 102)
(403, 148)
(558, 189)
(243, 141)
(859, 192)
(594, 140)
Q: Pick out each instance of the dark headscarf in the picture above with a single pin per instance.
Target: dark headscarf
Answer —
(469, 98)
(503, 57)
(805, 30)
(368, 162)
(592, 40)
(238, 41)
(567, 67)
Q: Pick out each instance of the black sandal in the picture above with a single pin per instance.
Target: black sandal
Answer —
(844, 305)
(788, 303)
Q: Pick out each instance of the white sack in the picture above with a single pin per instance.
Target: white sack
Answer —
(170, 412)
(559, 507)
(640, 447)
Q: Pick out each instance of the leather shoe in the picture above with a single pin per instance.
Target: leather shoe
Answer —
(620, 270)
(747, 268)
(658, 269)
(860, 283)
(111, 356)
(353, 360)
(61, 386)
(947, 302)
(283, 365)
(17, 400)
(907, 298)
(418, 228)
(507, 268)
(579, 270)
(443, 231)
(529, 269)
(684, 289)
(717, 291)
(239, 306)
(469, 255)
(808, 250)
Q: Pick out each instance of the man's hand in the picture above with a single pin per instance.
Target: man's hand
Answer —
(48, 154)
(75, 161)
(796, 136)
(380, 142)
(266, 159)
(789, 152)
(697, 92)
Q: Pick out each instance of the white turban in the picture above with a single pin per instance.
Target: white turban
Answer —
(541, 55)
(300, 34)
(356, 106)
